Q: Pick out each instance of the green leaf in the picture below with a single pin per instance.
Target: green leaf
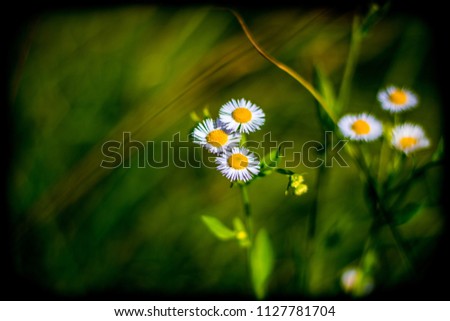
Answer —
(370, 260)
(325, 87)
(261, 260)
(217, 228)
(238, 224)
(374, 15)
(408, 212)
(439, 152)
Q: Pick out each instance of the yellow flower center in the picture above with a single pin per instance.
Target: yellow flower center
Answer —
(242, 115)
(238, 161)
(361, 127)
(217, 138)
(407, 142)
(398, 97)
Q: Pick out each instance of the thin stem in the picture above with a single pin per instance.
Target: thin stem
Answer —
(243, 139)
(398, 239)
(249, 224)
(311, 230)
(284, 67)
(366, 248)
(355, 44)
(247, 211)
(400, 247)
(381, 159)
(377, 206)
(417, 172)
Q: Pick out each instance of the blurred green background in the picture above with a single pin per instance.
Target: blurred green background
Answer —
(83, 77)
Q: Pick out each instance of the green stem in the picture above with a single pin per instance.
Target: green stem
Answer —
(367, 246)
(355, 44)
(243, 139)
(383, 152)
(311, 231)
(416, 173)
(249, 224)
(381, 213)
(245, 199)
(396, 119)
(400, 247)
(247, 211)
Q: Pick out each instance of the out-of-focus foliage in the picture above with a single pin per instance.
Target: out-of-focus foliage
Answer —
(89, 76)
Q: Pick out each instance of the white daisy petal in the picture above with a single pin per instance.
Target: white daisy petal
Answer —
(409, 138)
(213, 136)
(241, 116)
(360, 127)
(396, 99)
(238, 164)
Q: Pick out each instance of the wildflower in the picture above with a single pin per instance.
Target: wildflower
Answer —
(409, 138)
(241, 116)
(214, 136)
(360, 127)
(238, 164)
(397, 99)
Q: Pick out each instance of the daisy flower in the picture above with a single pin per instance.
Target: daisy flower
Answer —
(397, 99)
(214, 136)
(241, 116)
(360, 127)
(409, 138)
(238, 164)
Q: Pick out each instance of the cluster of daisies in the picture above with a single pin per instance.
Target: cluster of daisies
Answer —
(406, 137)
(222, 137)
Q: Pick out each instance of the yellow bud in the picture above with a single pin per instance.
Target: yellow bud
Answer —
(195, 117)
(241, 235)
(206, 112)
(295, 184)
(301, 189)
(297, 178)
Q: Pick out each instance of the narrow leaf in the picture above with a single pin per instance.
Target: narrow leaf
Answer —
(238, 224)
(407, 213)
(218, 228)
(325, 87)
(439, 152)
(261, 260)
(374, 15)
